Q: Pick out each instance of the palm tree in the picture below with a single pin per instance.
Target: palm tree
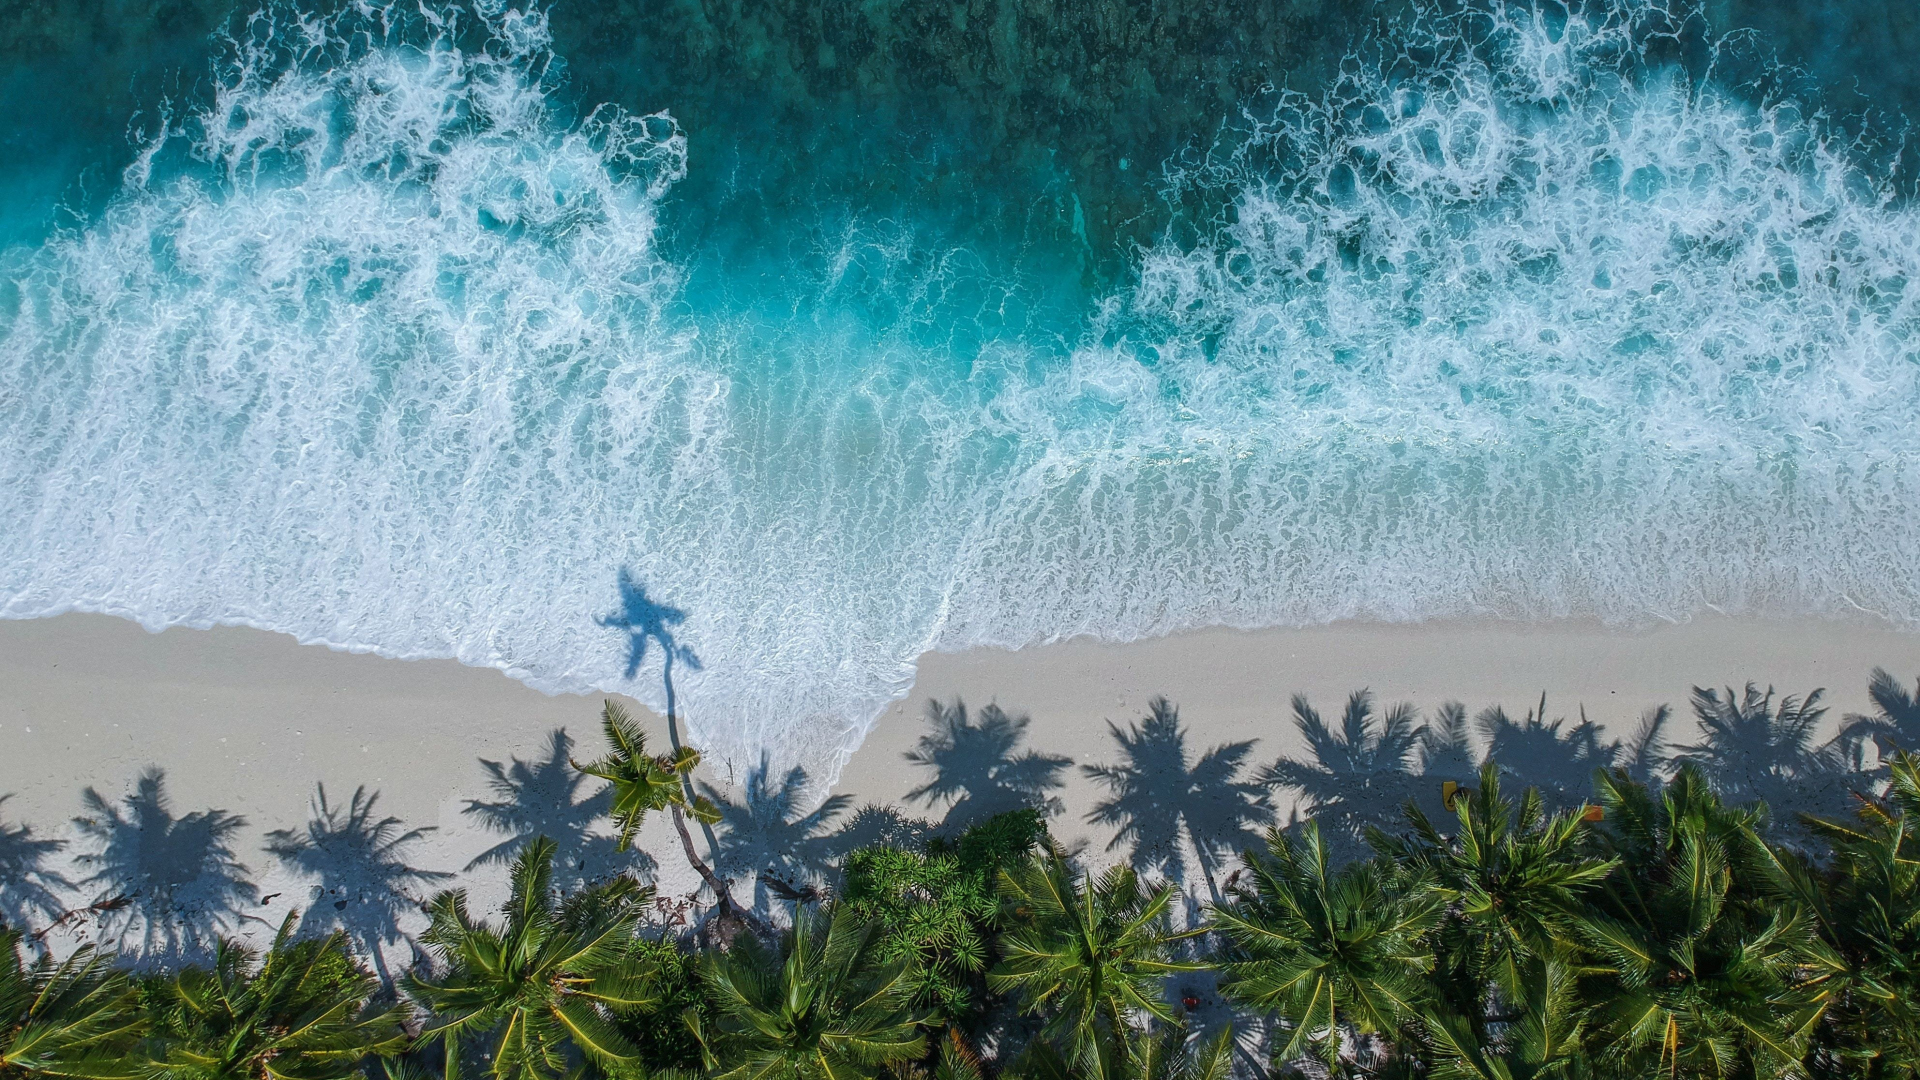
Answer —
(1359, 776)
(1087, 954)
(1755, 751)
(540, 987)
(1868, 907)
(1325, 950)
(1541, 1036)
(641, 784)
(545, 797)
(77, 1018)
(821, 1007)
(1167, 1053)
(28, 890)
(1512, 879)
(1702, 972)
(359, 859)
(300, 1012)
(1895, 724)
(977, 770)
(1159, 800)
(767, 834)
(175, 878)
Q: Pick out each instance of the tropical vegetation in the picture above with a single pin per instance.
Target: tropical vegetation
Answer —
(1672, 919)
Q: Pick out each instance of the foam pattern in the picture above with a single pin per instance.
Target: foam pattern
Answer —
(379, 349)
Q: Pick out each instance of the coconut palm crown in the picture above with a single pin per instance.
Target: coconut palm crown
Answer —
(540, 988)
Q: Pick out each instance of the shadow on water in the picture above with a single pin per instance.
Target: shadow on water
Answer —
(645, 620)
(1161, 804)
(171, 883)
(29, 891)
(363, 884)
(549, 797)
(767, 835)
(978, 768)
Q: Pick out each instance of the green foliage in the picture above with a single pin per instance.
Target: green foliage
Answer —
(1085, 953)
(1660, 933)
(1513, 882)
(1868, 908)
(642, 783)
(825, 1006)
(1704, 969)
(300, 1012)
(933, 910)
(1327, 950)
(540, 989)
(76, 1018)
(659, 1030)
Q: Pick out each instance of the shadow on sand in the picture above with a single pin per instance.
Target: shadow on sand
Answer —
(165, 887)
(548, 797)
(30, 893)
(362, 884)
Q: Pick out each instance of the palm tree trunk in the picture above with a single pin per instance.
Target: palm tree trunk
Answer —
(673, 739)
(723, 898)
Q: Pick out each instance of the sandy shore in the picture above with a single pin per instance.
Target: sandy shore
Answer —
(250, 722)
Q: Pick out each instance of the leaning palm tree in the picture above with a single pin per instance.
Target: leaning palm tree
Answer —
(1326, 951)
(643, 784)
(539, 989)
(1360, 775)
(1161, 802)
(77, 1018)
(821, 1007)
(1087, 954)
(1703, 970)
(301, 1012)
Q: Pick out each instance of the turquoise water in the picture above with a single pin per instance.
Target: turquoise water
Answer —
(858, 331)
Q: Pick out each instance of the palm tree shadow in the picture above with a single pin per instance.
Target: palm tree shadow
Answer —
(1161, 804)
(977, 770)
(646, 621)
(29, 891)
(1358, 777)
(1539, 754)
(363, 884)
(1894, 726)
(767, 835)
(1756, 750)
(545, 797)
(174, 879)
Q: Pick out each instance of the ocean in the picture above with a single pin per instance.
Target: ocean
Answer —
(761, 348)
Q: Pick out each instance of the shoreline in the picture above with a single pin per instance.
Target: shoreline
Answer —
(249, 721)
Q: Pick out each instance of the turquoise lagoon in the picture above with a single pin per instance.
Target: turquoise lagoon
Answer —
(850, 331)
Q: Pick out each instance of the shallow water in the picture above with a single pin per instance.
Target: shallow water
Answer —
(849, 332)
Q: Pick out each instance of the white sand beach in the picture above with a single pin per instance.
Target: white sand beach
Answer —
(250, 722)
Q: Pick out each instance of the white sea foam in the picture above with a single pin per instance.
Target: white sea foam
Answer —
(394, 364)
